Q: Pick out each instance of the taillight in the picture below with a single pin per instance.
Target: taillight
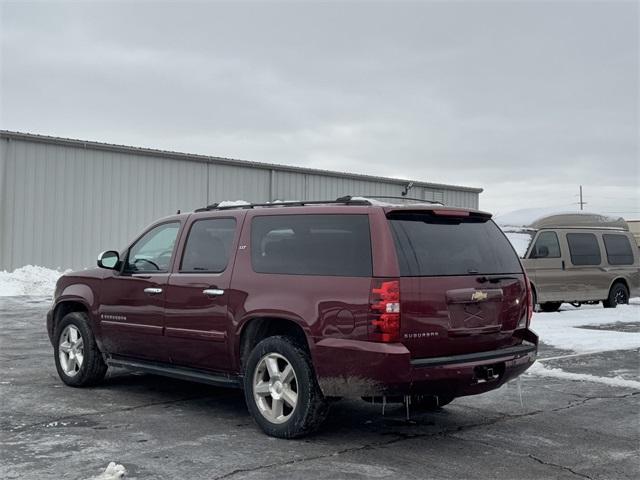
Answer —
(530, 305)
(384, 310)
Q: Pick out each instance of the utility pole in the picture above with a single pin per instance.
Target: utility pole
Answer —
(582, 204)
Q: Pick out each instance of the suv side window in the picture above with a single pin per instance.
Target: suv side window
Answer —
(152, 253)
(618, 249)
(208, 245)
(335, 245)
(546, 246)
(584, 248)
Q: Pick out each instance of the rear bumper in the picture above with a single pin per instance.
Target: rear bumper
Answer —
(357, 368)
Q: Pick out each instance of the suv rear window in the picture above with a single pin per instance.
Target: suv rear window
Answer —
(334, 245)
(618, 249)
(432, 246)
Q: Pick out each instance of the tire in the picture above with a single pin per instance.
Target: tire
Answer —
(550, 306)
(280, 419)
(430, 402)
(89, 369)
(618, 295)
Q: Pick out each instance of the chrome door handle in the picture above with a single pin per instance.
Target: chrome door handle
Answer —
(152, 291)
(213, 292)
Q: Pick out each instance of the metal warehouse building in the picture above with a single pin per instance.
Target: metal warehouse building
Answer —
(62, 201)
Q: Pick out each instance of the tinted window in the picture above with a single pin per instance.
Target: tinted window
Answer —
(618, 249)
(546, 246)
(429, 245)
(152, 253)
(584, 248)
(208, 245)
(338, 245)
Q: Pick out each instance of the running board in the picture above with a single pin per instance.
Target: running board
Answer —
(181, 373)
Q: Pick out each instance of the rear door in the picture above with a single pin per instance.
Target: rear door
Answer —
(462, 288)
(197, 294)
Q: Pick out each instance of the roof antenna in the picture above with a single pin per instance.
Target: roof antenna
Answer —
(178, 212)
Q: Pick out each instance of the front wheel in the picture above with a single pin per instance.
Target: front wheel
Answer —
(618, 295)
(281, 390)
(78, 360)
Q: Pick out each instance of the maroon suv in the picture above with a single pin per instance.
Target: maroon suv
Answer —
(302, 302)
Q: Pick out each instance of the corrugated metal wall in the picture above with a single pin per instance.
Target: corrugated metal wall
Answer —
(63, 204)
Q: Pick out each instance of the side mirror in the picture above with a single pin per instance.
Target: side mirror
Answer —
(543, 252)
(109, 259)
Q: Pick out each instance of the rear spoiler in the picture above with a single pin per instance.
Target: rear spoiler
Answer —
(439, 212)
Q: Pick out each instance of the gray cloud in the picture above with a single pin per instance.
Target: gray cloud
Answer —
(525, 99)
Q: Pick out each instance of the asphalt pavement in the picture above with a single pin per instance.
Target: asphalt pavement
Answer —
(160, 428)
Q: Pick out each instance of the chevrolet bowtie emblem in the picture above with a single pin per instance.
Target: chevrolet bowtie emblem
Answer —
(479, 296)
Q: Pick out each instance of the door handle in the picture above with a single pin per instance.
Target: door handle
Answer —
(213, 292)
(152, 291)
(563, 266)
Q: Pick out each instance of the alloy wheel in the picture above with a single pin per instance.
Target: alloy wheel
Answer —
(71, 350)
(275, 388)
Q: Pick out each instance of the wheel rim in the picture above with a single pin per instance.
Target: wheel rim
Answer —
(275, 388)
(71, 350)
(621, 297)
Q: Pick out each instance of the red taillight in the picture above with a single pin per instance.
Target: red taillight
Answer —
(530, 305)
(384, 301)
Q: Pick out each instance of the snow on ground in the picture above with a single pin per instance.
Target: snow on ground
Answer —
(562, 330)
(112, 472)
(28, 280)
(559, 329)
(540, 370)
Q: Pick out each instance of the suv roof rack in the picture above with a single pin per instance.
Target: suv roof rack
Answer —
(421, 200)
(345, 200)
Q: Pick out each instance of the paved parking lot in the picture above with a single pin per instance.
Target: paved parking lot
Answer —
(160, 428)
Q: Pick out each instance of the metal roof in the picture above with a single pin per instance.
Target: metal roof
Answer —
(7, 134)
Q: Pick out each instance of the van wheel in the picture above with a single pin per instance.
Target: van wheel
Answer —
(281, 390)
(618, 295)
(430, 402)
(78, 360)
(550, 306)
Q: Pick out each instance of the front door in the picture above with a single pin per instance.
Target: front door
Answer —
(132, 300)
(196, 317)
(547, 268)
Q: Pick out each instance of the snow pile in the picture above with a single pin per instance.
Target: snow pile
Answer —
(520, 241)
(112, 472)
(29, 280)
(559, 328)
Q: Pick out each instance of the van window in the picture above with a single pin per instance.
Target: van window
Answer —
(546, 246)
(618, 249)
(208, 245)
(333, 245)
(428, 245)
(583, 248)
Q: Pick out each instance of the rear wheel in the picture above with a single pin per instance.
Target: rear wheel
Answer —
(281, 390)
(618, 295)
(550, 306)
(78, 360)
(430, 402)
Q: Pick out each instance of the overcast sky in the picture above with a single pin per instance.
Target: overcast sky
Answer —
(525, 99)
